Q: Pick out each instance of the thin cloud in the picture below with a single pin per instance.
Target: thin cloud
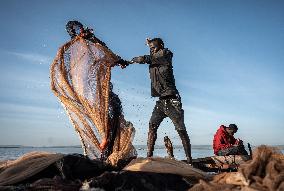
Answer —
(33, 57)
(9, 108)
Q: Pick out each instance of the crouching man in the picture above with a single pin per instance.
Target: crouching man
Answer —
(224, 142)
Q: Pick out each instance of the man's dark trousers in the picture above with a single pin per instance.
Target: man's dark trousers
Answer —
(172, 108)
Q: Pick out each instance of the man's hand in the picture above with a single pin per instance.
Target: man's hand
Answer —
(238, 142)
(86, 33)
(139, 59)
(148, 40)
(122, 63)
(122, 66)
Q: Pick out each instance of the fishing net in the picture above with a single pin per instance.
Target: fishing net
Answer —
(80, 78)
(264, 172)
(14, 171)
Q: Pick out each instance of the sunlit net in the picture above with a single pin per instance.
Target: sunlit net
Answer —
(80, 78)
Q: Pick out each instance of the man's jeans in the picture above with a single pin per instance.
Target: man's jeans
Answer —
(171, 108)
(234, 150)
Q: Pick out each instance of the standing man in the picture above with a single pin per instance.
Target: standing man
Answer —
(163, 86)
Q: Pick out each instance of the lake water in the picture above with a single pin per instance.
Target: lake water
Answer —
(198, 151)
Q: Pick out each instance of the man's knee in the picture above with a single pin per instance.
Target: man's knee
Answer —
(153, 126)
(179, 125)
(178, 120)
(180, 128)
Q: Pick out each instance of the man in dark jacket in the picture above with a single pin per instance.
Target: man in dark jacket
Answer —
(224, 142)
(163, 86)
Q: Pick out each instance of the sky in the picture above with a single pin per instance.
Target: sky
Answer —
(228, 65)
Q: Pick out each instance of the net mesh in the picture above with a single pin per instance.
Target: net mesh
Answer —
(80, 78)
(14, 171)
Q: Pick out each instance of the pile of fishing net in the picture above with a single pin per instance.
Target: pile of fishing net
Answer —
(47, 171)
(14, 171)
(36, 169)
(80, 78)
(264, 172)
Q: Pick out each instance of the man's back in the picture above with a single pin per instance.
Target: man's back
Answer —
(222, 140)
(161, 73)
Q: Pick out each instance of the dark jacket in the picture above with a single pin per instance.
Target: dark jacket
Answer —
(161, 73)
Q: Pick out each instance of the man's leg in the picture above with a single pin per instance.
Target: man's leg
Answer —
(157, 117)
(234, 150)
(176, 114)
(242, 150)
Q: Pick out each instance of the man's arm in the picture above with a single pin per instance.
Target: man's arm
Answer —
(89, 35)
(146, 59)
(162, 58)
(223, 143)
(238, 142)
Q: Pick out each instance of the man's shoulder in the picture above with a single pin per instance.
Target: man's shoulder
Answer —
(220, 131)
(167, 51)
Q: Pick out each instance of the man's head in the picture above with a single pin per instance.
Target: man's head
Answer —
(155, 44)
(74, 28)
(232, 129)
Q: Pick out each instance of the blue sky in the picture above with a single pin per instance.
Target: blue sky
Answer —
(228, 64)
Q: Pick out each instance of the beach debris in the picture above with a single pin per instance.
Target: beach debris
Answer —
(220, 164)
(250, 150)
(169, 147)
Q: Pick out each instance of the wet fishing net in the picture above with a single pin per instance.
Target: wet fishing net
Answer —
(80, 78)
